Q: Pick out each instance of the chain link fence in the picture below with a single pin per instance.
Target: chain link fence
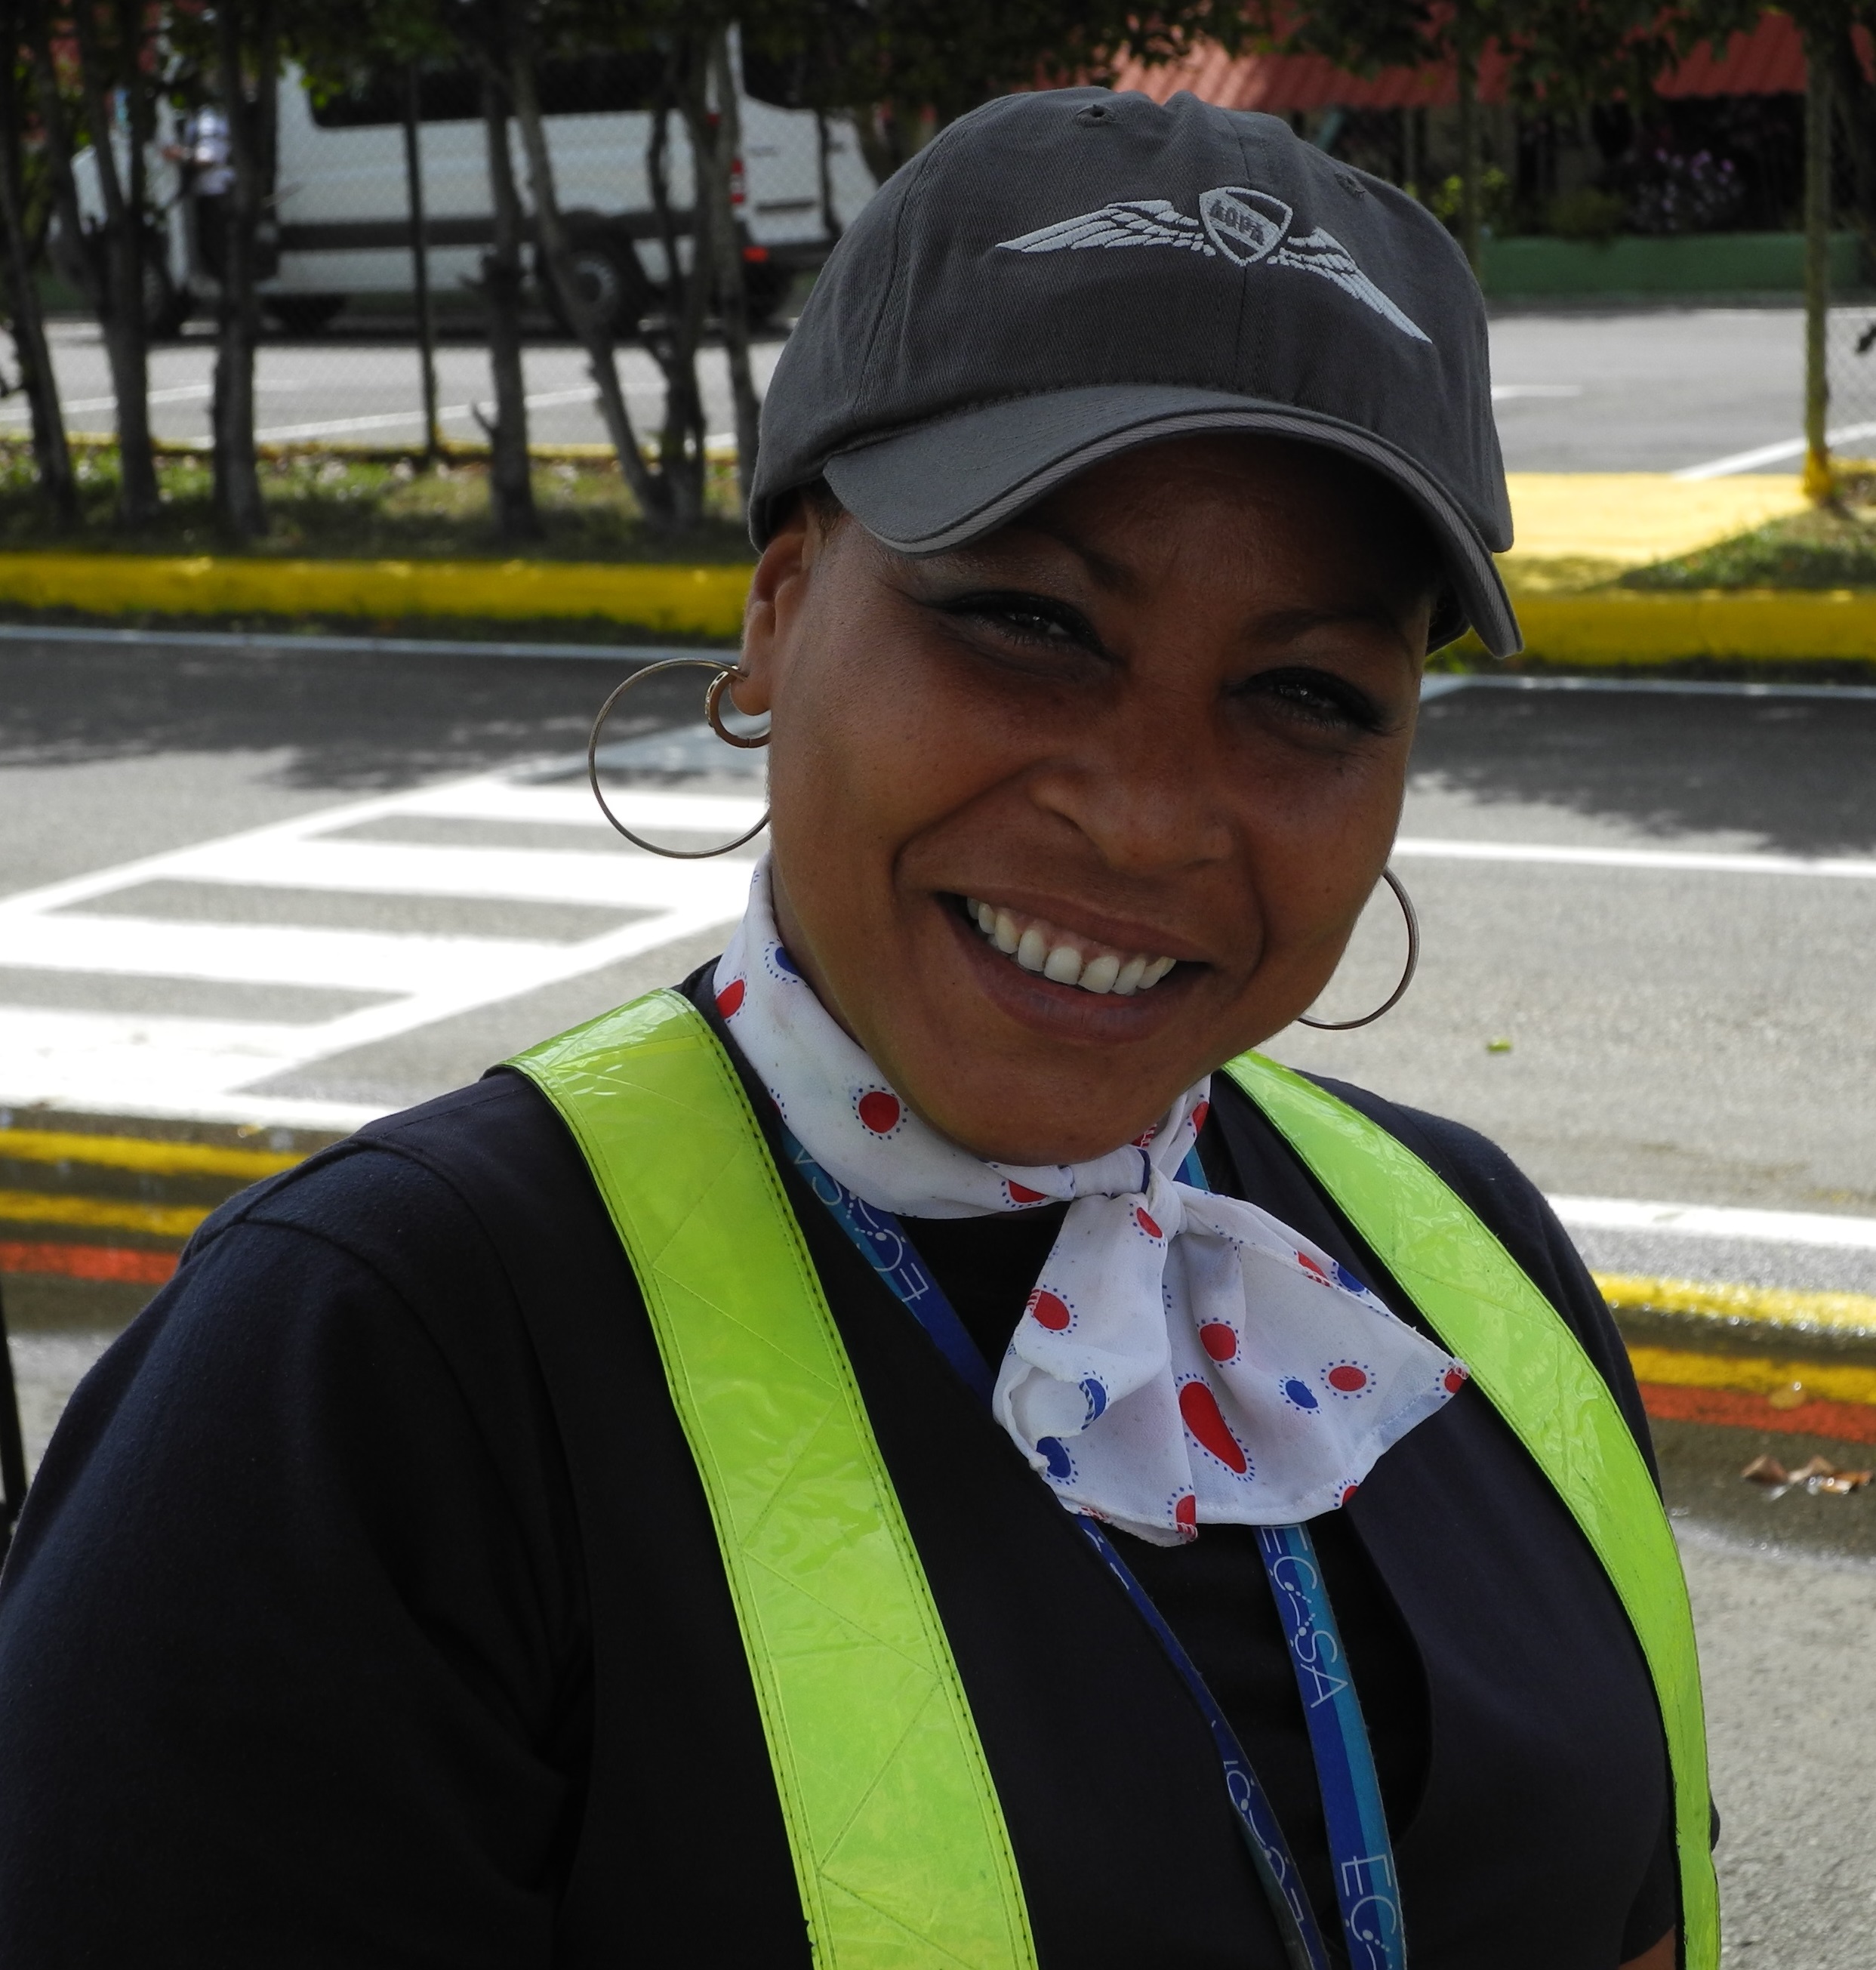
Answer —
(1850, 361)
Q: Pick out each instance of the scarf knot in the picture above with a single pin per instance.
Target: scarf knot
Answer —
(1184, 1358)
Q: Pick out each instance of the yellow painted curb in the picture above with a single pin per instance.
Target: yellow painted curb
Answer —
(1755, 1375)
(161, 1220)
(687, 601)
(142, 1153)
(1634, 626)
(1842, 1316)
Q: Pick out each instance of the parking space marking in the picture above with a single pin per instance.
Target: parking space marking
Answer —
(1707, 1221)
(1679, 861)
(168, 1064)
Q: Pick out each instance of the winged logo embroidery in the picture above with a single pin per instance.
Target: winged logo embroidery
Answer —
(1246, 227)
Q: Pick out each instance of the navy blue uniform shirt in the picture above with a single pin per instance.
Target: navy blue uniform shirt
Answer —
(367, 1611)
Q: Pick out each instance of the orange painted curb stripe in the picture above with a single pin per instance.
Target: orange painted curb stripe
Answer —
(1850, 1422)
(89, 1261)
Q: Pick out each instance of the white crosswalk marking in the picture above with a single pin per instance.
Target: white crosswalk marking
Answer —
(265, 909)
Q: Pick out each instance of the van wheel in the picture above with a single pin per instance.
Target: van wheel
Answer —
(766, 287)
(617, 294)
(304, 314)
(165, 305)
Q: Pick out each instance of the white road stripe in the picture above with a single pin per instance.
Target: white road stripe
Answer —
(169, 1065)
(541, 400)
(1706, 1220)
(1684, 860)
(1770, 455)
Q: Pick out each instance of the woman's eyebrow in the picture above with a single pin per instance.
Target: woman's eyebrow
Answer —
(1286, 625)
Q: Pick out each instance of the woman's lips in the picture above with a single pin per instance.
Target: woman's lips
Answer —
(1066, 956)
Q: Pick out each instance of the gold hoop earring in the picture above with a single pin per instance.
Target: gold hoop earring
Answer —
(713, 715)
(1407, 977)
(726, 673)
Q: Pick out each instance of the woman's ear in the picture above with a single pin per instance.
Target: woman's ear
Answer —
(777, 593)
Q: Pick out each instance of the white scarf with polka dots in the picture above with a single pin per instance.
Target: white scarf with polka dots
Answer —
(1186, 1359)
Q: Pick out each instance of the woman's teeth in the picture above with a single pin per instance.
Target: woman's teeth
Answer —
(1061, 955)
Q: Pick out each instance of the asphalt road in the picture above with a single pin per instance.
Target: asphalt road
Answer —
(1657, 390)
(1695, 1034)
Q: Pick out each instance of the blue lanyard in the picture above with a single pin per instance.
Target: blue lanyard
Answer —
(1360, 1850)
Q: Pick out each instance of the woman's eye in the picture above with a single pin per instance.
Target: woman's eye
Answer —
(1318, 697)
(1024, 619)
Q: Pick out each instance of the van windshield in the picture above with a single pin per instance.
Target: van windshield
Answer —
(598, 85)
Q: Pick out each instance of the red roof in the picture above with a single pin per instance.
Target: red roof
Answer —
(1767, 60)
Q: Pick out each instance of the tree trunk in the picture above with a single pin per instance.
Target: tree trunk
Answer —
(1817, 93)
(420, 259)
(732, 299)
(511, 490)
(120, 299)
(681, 462)
(52, 457)
(550, 232)
(241, 26)
(824, 154)
(1471, 163)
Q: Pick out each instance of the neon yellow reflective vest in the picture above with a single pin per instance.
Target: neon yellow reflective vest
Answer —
(900, 1851)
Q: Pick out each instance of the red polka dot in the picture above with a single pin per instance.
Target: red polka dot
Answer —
(1348, 1492)
(1047, 1311)
(1455, 1379)
(1186, 1515)
(880, 1111)
(1145, 1223)
(1021, 1194)
(729, 1000)
(1348, 1378)
(1198, 1115)
(1145, 1141)
(1309, 1265)
(1220, 1342)
(1199, 1408)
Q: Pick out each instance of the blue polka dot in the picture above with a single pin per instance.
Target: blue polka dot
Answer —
(1301, 1394)
(1061, 1465)
(786, 963)
(1097, 1397)
(1346, 1279)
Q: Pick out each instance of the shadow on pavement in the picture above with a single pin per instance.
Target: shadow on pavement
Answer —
(1799, 775)
(347, 722)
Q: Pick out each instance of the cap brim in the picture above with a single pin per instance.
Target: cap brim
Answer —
(956, 479)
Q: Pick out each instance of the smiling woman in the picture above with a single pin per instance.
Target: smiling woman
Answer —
(918, 1446)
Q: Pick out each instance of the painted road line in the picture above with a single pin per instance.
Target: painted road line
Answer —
(1706, 1220)
(317, 871)
(539, 400)
(158, 1221)
(145, 1154)
(116, 1265)
(1442, 684)
(1835, 1316)
(1678, 861)
(1769, 455)
(1789, 1381)
(1731, 1409)
(290, 643)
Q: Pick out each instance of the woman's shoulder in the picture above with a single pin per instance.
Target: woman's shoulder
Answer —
(477, 1163)
(1509, 1205)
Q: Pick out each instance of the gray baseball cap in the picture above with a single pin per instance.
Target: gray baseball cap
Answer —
(1061, 276)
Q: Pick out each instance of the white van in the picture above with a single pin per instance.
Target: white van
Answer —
(341, 224)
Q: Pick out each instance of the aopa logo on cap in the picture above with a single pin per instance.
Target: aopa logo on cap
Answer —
(1246, 227)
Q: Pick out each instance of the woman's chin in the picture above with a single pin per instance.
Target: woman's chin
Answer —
(1019, 1068)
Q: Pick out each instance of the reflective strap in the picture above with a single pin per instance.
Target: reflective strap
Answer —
(1537, 1376)
(900, 1851)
